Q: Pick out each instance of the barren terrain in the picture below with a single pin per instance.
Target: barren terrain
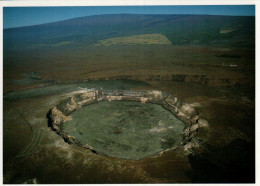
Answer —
(217, 80)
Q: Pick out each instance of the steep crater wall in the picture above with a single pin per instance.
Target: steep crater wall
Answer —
(61, 113)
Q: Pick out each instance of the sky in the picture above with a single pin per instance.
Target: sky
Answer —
(26, 16)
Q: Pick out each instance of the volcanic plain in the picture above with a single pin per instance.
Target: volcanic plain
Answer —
(209, 65)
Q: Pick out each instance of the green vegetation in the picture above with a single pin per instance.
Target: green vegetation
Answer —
(145, 39)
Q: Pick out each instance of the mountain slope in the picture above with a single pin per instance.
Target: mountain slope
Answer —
(237, 31)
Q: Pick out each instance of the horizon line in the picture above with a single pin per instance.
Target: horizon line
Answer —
(123, 14)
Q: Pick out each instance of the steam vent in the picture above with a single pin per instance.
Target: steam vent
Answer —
(124, 124)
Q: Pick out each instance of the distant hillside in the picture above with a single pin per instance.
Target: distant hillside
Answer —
(145, 39)
(236, 31)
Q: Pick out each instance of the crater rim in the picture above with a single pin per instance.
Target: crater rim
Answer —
(78, 99)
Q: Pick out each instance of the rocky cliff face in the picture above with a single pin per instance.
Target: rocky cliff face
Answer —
(183, 111)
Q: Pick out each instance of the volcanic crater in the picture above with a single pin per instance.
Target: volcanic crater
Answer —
(124, 124)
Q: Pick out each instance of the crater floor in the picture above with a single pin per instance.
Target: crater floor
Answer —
(124, 129)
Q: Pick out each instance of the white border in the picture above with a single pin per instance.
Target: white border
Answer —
(1, 95)
(15, 3)
(257, 92)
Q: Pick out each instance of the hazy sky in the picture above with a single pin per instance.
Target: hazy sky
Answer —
(25, 16)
